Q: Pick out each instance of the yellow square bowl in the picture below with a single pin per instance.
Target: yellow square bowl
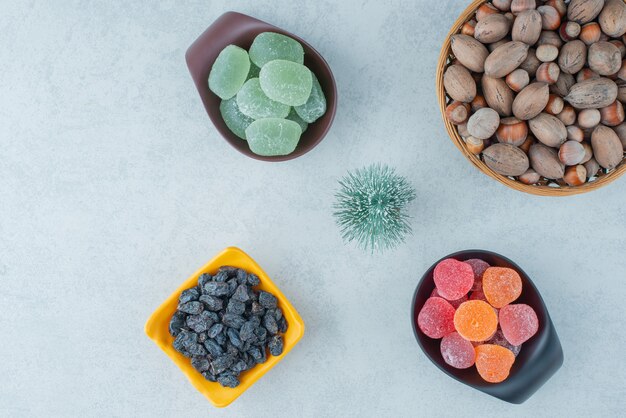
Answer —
(157, 328)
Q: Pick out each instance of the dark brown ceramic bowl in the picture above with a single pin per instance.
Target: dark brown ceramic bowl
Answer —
(539, 359)
(239, 29)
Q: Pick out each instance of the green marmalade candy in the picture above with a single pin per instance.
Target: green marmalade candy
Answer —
(294, 117)
(229, 72)
(273, 136)
(315, 107)
(286, 82)
(236, 121)
(270, 46)
(254, 103)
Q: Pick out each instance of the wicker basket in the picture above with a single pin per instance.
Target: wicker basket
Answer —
(541, 190)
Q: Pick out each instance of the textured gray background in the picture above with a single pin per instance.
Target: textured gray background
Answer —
(114, 187)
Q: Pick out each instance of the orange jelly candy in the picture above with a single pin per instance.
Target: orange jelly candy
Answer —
(494, 362)
(501, 286)
(475, 320)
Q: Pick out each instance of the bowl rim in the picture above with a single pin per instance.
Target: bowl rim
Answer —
(455, 137)
(546, 332)
(232, 139)
(156, 328)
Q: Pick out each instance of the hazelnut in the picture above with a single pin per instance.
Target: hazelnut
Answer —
(613, 114)
(529, 177)
(548, 72)
(468, 28)
(512, 131)
(474, 145)
(457, 112)
(590, 33)
(571, 153)
(567, 115)
(517, 79)
(574, 133)
(555, 105)
(588, 118)
(576, 175)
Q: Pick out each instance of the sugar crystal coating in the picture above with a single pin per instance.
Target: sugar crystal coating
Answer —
(475, 320)
(454, 303)
(498, 339)
(436, 318)
(453, 278)
(493, 362)
(519, 323)
(270, 46)
(229, 71)
(236, 121)
(478, 267)
(294, 117)
(286, 82)
(273, 136)
(315, 106)
(501, 286)
(457, 351)
(253, 103)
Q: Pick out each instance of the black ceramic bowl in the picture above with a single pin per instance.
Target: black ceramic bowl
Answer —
(540, 358)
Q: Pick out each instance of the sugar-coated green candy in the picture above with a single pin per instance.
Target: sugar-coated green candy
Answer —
(254, 103)
(270, 46)
(315, 106)
(236, 121)
(273, 136)
(286, 82)
(229, 71)
(294, 117)
(254, 72)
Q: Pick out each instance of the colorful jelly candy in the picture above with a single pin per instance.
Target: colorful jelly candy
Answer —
(519, 322)
(475, 320)
(454, 303)
(501, 286)
(453, 278)
(478, 267)
(493, 362)
(296, 118)
(255, 104)
(270, 46)
(236, 121)
(499, 339)
(273, 136)
(436, 318)
(229, 72)
(286, 82)
(315, 106)
(457, 351)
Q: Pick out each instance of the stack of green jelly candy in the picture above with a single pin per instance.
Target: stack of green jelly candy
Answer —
(268, 95)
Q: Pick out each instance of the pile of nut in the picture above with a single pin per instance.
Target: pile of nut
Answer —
(537, 88)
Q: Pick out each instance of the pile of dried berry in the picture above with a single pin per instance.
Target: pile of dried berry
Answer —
(487, 329)
(225, 326)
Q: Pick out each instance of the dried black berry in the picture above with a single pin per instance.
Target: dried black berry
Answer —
(267, 300)
(278, 313)
(239, 367)
(282, 325)
(253, 279)
(202, 337)
(234, 338)
(269, 322)
(200, 323)
(232, 286)
(256, 354)
(216, 288)
(257, 309)
(213, 348)
(197, 350)
(221, 363)
(215, 329)
(231, 349)
(247, 331)
(204, 279)
(241, 293)
(188, 295)
(212, 303)
(208, 376)
(184, 340)
(221, 276)
(236, 307)
(221, 339)
(192, 308)
(176, 323)
(252, 295)
(233, 321)
(275, 345)
(261, 334)
(241, 276)
(201, 364)
(228, 380)
(229, 270)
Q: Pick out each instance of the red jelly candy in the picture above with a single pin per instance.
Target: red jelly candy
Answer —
(498, 339)
(457, 351)
(454, 303)
(478, 267)
(453, 278)
(519, 322)
(501, 285)
(436, 318)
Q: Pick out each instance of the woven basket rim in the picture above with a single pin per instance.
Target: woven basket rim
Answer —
(452, 130)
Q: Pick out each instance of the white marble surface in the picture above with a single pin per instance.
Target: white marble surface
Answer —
(114, 187)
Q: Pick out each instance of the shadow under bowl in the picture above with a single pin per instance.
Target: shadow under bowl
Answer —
(234, 28)
(539, 359)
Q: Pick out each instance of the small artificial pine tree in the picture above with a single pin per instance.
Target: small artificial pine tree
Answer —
(371, 207)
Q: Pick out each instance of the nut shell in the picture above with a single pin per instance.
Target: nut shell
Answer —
(547, 53)
(613, 114)
(576, 175)
(498, 95)
(555, 105)
(571, 153)
(527, 27)
(567, 115)
(573, 56)
(492, 28)
(457, 112)
(530, 176)
(512, 131)
(531, 101)
(517, 80)
(548, 129)
(589, 118)
(459, 83)
(505, 59)
(506, 159)
(604, 58)
(590, 33)
(592, 94)
(548, 72)
(550, 17)
(483, 123)
(612, 18)
(583, 11)
(544, 161)
(470, 52)
(592, 167)
(607, 148)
